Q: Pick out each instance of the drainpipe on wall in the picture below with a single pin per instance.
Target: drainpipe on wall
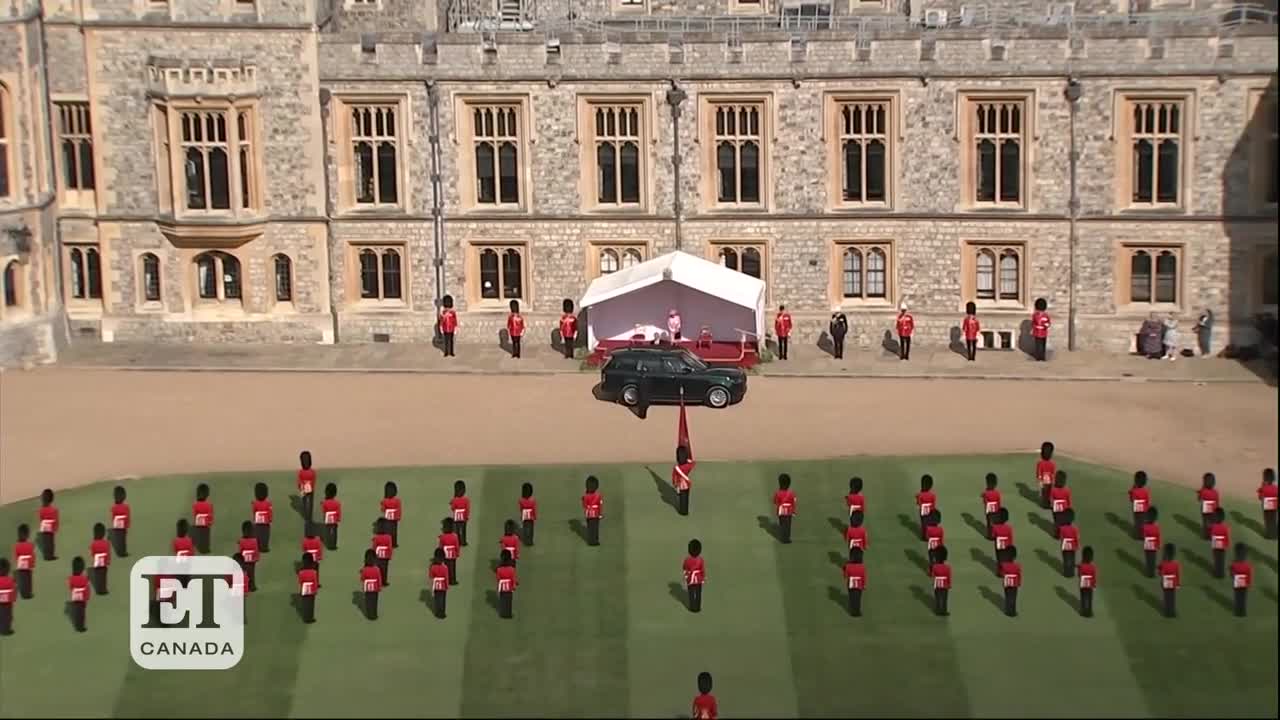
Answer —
(675, 96)
(1073, 92)
(437, 192)
(51, 176)
(326, 106)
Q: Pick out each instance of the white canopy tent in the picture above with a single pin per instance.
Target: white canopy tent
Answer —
(703, 292)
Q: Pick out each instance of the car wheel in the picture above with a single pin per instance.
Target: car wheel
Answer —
(630, 395)
(718, 397)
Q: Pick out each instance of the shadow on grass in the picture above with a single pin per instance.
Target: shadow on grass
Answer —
(295, 602)
(839, 596)
(1029, 494)
(1148, 598)
(665, 491)
(992, 597)
(1044, 557)
(295, 503)
(579, 528)
(978, 526)
(984, 560)
(838, 524)
(1270, 594)
(1248, 523)
(770, 526)
(912, 526)
(1121, 524)
(491, 599)
(915, 558)
(1189, 525)
(1040, 522)
(357, 600)
(1132, 561)
(837, 559)
(922, 596)
(677, 593)
(1201, 562)
(1219, 598)
(1068, 597)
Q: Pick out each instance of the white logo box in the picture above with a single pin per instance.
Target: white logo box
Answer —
(200, 624)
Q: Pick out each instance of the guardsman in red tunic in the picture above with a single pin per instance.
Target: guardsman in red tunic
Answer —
(854, 501)
(940, 571)
(391, 509)
(568, 329)
(120, 522)
(306, 486)
(438, 579)
(1209, 499)
(449, 543)
(1151, 539)
(784, 502)
(460, 510)
(1139, 501)
(1059, 497)
(905, 326)
(682, 478)
(515, 328)
(1011, 578)
(1040, 323)
(1269, 496)
(448, 324)
(313, 548)
(370, 584)
(505, 574)
(100, 557)
(1170, 580)
(592, 509)
(262, 516)
(1046, 471)
(78, 585)
(528, 513)
(991, 502)
(695, 575)
(1219, 541)
(782, 327)
(308, 584)
(331, 511)
(48, 517)
(855, 578)
(1068, 541)
(248, 546)
(8, 595)
(1088, 573)
(970, 328)
(1241, 578)
(202, 519)
(704, 705)
(24, 562)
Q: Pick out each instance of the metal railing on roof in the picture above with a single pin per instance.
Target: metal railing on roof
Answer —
(472, 15)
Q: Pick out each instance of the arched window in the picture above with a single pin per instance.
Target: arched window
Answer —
(380, 273)
(12, 280)
(150, 278)
(1010, 279)
(986, 275)
(217, 277)
(1140, 277)
(86, 273)
(284, 278)
(851, 280)
(609, 261)
(877, 274)
(5, 152)
(631, 257)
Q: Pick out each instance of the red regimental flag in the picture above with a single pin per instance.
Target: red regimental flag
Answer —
(682, 434)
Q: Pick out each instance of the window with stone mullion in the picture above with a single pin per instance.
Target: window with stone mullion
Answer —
(617, 138)
(205, 152)
(738, 142)
(1156, 134)
(375, 153)
(864, 144)
(496, 135)
(998, 129)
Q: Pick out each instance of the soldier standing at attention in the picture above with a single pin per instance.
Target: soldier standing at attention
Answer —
(515, 328)
(905, 325)
(782, 326)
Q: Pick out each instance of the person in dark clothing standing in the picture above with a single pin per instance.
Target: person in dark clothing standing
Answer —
(838, 329)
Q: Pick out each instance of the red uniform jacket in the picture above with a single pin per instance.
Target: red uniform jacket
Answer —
(249, 549)
(906, 325)
(382, 546)
(308, 581)
(682, 475)
(506, 576)
(1060, 499)
(1241, 575)
(515, 325)
(1069, 537)
(79, 587)
(202, 513)
(1150, 537)
(695, 571)
(857, 537)
(1219, 536)
(510, 543)
(855, 576)
(1170, 575)
(1011, 572)
(784, 501)
(1088, 573)
(370, 579)
(1002, 533)
(704, 707)
(933, 537)
(856, 502)
(99, 553)
(438, 577)
(48, 516)
(448, 321)
(970, 327)
(1208, 500)
(528, 509)
(391, 509)
(1269, 496)
(313, 547)
(450, 544)
(568, 326)
(782, 324)
(7, 592)
(941, 574)
(990, 501)
(24, 556)
(1139, 499)
(592, 506)
(120, 516)
(306, 481)
(183, 547)
(461, 508)
(925, 501)
(1045, 471)
(261, 512)
(332, 510)
(1040, 323)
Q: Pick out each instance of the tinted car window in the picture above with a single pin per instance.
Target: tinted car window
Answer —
(672, 365)
(622, 363)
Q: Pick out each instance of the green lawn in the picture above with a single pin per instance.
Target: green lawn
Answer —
(601, 631)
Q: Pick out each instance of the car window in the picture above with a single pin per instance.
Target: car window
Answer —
(672, 365)
(692, 360)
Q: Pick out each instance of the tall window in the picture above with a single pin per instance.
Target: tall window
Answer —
(86, 273)
(150, 278)
(75, 137)
(501, 273)
(864, 151)
(1155, 134)
(737, 146)
(284, 278)
(206, 158)
(1153, 275)
(375, 151)
(998, 128)
(495, 134)
(617, 153)
(5, 151)
(380, 273)
(613, 259)
(999, 276)
(12, 277)
(747, 259)
(217, 277)
(864, 271)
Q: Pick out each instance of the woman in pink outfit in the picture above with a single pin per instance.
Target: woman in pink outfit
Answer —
(673, 325)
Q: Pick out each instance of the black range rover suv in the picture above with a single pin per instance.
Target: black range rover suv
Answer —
(668, 370)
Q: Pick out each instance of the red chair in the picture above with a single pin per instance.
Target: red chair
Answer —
(704, 338)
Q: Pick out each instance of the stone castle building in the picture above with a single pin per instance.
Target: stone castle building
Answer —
(319, 171)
